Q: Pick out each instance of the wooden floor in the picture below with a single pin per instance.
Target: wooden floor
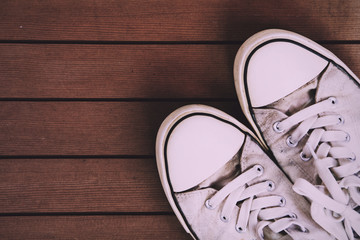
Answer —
(84, 86)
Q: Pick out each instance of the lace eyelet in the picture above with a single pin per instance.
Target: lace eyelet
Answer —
(208, 205)
(341, 120)
(282, 202)
(271, 185)
(293, 215)
(259, 169)
(239, 229)
(347, 137)
(290, 143)
(353, 158)
(333, 100)
(304, 230)
(224, 219)
(304, 157)
(276, 128)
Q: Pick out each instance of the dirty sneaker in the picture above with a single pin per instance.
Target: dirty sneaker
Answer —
(222, 185)
(304, 105)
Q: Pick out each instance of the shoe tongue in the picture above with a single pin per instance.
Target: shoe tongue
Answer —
(298, 99)
(311, 92)
(329, 84)
(224, 175)
(268, 234)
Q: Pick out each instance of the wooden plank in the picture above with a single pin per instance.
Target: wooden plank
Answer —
(80, 185)
(91, 227)
(178, 20)
(86, 128)
(127, 71)
(116, 71)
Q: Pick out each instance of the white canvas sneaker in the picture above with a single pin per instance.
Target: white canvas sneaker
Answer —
(222, 185)
(304, 105)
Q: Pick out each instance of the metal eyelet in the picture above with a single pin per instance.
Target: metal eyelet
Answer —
(259, 169)
(333, 100)
(224, 219)
(304, 157)
(282, 202)
(271, 185)
(290, 143)
(276, 128)
(239, 229)
(341, 120)
(352, 158)
(208, 205)
(347, 137)
(304, 230)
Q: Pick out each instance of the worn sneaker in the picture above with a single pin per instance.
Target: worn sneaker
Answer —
(222, 185)
(304, 105)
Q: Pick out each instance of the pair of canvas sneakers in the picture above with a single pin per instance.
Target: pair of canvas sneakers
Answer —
(297, 175)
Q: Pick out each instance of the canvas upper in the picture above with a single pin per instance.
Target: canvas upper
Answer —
(313, 128)
(245, 197)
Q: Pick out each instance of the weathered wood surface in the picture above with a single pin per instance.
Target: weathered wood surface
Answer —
(81, 185)
(127, 71)
(86, 128)
(215, 20)
(84, 86)
(91, 227)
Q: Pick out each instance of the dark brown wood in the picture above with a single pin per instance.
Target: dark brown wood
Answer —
(127, 71)
(85, 85)
(116, 71)
(81, 185)
(91, 227)
(86, 128)
(217, 20)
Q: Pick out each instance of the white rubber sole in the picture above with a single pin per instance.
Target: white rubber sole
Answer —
(162, 135)
(260, 38)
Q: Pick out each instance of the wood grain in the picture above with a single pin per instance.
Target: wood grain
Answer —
(127, 71)
(81, 185)
(116, 71)
(86, 128)
(91, 227)
(85, 85)
(216, 20)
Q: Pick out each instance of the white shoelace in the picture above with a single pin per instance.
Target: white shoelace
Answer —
(335, 213)
(255, 212)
